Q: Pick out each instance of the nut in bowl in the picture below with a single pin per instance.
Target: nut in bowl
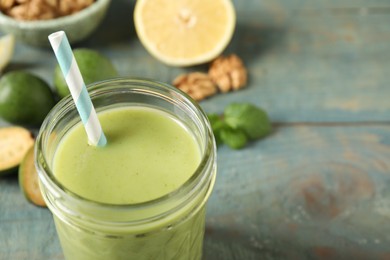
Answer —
(32, 24)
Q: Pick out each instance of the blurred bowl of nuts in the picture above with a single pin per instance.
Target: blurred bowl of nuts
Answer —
(31, 21)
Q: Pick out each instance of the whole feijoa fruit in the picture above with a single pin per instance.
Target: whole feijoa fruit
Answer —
(93, 67)
(25, 99)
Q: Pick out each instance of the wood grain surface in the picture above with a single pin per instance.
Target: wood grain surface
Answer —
(319, 186)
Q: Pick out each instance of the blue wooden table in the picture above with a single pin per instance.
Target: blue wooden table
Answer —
(319, 186)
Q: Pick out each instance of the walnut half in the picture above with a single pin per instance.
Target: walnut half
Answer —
(29, 10)
(228, 73)
(196, 84)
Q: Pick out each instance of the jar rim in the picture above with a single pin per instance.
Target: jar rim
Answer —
(208, 146)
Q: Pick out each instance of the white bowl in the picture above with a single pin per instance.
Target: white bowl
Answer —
(77, 26)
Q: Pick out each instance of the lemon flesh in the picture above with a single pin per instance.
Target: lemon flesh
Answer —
(7, 44)
(184, 32)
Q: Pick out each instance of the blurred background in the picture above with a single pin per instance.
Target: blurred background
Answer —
(318, 187)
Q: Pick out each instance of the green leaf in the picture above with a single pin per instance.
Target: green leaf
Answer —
(248, 118)
(213, 118)
(234, 138)
(217, 124)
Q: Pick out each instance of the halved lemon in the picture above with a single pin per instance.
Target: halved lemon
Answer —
(7, 44)
(184, 32)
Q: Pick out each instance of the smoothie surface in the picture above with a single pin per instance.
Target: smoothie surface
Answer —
(148, 154)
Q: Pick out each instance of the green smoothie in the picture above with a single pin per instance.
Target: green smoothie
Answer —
(148, 155)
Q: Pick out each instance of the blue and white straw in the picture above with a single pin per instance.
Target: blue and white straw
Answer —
(70, 69)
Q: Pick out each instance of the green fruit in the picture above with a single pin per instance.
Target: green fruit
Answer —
(15, 141)
(28, 180)
(93, 67)
(24, 98)
(249, 118)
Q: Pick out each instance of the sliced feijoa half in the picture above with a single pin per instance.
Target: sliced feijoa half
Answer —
(14, 143)
(28, 180)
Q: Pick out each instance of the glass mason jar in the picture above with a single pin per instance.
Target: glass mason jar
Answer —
(170, 227)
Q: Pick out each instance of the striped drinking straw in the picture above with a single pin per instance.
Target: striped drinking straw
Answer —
(71, 72)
